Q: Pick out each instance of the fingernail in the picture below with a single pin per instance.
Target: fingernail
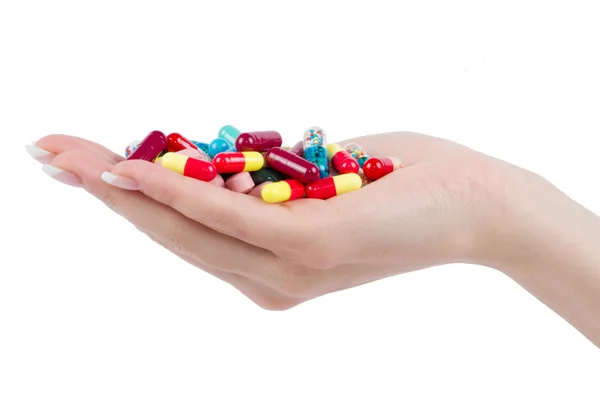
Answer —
(63, 176)
(119, 181)
(41, 155)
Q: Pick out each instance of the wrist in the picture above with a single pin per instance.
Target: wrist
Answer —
(534, 225)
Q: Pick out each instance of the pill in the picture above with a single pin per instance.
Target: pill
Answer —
(259, 141)
(257, 190)
(150, 147)
(229, 133)
(357, 152)
(279, 192)
(341, 160)
(292, 165)
(218, 181)
(201, 146)
(333, 186)
(315, 149)
(218, 145)
(266, 175)
(195, 153)
(298, 149)
(376, 168)
(176, 142)
(159, 157)
(189, 166)
(130, 148)
(232, 162)
(241, 183)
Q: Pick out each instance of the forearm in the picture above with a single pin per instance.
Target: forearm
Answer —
(550, 245)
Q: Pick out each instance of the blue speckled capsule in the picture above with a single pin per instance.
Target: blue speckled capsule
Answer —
(315, 149)
(218, 145)
(130, 148)
(202, 146)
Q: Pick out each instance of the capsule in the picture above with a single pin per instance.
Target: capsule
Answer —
(160, 156)
(229, 133)
(333, 186)
(357, 152)
(315, 149)
(197, 154)
(376, 168)
(298, 149)
(150, 147)
(259, 141)
(233, 162)
(188, 166)
(279, 192)
(176, 142)
(201, 146)
(292, 165)
(130, 148)
(265, 175)
(218, 145)
(341, 160)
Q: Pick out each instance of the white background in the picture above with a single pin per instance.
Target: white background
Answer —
(90, 307)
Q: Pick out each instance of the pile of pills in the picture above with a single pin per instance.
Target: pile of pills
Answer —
(256, 163)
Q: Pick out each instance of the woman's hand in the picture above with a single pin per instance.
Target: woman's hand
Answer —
(435, 210)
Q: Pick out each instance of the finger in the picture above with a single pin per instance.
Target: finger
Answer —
(183, 236)
(56, 144)
(237, 215)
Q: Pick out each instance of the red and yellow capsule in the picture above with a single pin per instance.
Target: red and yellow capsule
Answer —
(279, 192)
(341, 160)
(189, 166)
(234, 162)
(376, 168)
(333, 186)
(176, 142)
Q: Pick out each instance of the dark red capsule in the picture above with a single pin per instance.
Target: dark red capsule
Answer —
(150, 147)
(259, 141)
(292, 165)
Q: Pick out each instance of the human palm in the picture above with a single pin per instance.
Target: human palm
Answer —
(427, 213)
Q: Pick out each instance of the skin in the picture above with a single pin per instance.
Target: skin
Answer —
(449, 204)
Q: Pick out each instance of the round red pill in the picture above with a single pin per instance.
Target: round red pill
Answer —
(376, 168)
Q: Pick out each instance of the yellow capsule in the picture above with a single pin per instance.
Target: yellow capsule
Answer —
(234, 162)
(332, 149)
(254, 161)
(279, 192)
(333, 186)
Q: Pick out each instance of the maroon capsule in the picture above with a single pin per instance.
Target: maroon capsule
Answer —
(259, 141)
(292, 165)
(298, 149)
(176, 142)
(150, 147)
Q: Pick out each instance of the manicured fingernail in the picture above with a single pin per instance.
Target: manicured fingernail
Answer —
(119, 181)
(63, 176)
(41, 155)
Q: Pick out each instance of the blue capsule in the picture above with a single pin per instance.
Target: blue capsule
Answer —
(218, 145)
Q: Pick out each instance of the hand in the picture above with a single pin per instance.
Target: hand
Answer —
(428, 213)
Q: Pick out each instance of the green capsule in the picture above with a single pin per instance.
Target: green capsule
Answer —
(229, 133)
(266, 175)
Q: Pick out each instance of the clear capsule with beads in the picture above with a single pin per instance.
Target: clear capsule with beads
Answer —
(315, 149)
(357, 152)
